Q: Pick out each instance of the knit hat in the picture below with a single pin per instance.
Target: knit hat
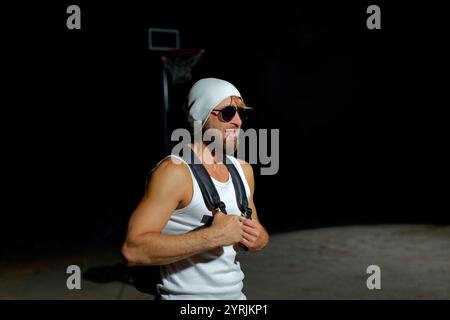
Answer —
(205, 95)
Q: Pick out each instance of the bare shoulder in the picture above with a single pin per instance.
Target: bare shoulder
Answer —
(173, 165)
(248, 172)
(171, 171)
(242, 161)
(247, 167)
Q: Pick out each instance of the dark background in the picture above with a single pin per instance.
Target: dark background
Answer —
(360, 138)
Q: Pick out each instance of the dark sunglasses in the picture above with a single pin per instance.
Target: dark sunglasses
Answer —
(227, 114)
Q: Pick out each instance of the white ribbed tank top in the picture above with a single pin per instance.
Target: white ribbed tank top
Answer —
(211, 274)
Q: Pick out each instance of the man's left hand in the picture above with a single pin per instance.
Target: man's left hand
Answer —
(254, 236)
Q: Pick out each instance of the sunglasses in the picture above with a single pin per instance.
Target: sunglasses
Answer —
(227, 114)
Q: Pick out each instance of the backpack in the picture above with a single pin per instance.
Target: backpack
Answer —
(145, 278)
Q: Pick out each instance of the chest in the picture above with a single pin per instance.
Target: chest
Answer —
(196, 214)
(218, 172)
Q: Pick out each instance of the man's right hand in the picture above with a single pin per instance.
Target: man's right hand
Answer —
(227, 229)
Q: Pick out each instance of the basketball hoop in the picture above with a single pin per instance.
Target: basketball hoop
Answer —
(180, 62)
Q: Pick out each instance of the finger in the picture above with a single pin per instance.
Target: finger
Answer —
(248, 237)
(250, 223)
(245, 242)
(251, 231)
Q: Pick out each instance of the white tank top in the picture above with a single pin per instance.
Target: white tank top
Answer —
(208, 275)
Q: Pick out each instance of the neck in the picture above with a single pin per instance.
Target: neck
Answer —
(206, 155)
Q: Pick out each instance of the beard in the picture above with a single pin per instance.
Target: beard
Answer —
(230, 141)
(229, 145)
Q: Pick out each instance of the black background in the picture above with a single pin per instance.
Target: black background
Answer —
(361, 139)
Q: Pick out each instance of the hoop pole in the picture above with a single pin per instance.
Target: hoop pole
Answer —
(165, 89)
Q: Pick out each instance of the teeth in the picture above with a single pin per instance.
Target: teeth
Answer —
(230, 133)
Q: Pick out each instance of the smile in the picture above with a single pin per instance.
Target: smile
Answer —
(231, 133)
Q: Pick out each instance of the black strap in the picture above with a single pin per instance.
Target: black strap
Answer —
(208, 189)
(206, 185)
(241, 196)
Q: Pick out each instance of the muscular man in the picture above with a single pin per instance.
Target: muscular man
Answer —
(166, 227)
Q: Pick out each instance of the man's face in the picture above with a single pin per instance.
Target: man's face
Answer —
(228, 128)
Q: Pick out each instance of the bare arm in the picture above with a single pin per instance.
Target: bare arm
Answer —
(145, 245)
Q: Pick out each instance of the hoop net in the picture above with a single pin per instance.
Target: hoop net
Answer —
(179, 63)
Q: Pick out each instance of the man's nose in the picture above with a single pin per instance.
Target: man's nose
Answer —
(237, 121)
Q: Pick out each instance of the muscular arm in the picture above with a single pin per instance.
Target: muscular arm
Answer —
(144, 244)
(169, 184)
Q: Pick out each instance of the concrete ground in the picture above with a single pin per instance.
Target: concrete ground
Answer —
(326, 263)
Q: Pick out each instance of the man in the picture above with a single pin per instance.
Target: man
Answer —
(166, 227)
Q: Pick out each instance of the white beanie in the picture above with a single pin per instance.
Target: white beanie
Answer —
(205, 95)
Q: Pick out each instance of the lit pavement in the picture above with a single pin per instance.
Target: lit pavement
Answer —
(326, 263)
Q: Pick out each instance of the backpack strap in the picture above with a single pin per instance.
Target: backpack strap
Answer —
(241, 196)
(206, 185)
(209, 191)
